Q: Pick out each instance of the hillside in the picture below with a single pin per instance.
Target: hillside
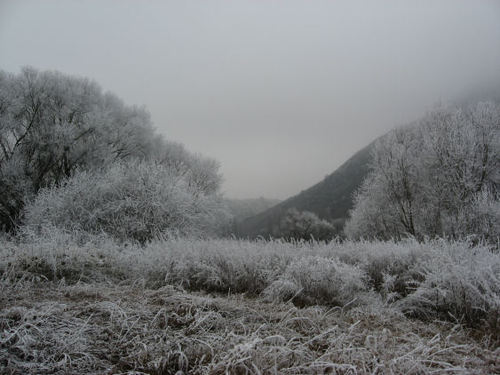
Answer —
(330, 199)
(242, 209)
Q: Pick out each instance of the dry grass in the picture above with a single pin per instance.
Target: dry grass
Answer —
(53, 328)
(73, 306)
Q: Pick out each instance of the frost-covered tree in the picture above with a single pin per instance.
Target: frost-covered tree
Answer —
(438, 177)
(52, 124)
(305, 225)
(199, 171)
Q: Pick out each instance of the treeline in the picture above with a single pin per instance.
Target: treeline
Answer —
(76, 157)
(438, 177)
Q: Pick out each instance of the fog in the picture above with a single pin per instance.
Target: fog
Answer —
(280, 92)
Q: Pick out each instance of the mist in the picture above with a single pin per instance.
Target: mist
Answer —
(280, 93)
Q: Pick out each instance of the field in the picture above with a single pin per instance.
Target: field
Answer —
(76, 305)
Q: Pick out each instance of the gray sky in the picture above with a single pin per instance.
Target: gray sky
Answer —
(280, 92)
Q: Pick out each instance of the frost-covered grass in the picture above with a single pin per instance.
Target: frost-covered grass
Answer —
(101, 328)
(450, 280)
(78, 304)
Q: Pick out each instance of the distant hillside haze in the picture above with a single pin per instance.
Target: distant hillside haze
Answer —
(330, 199)
(242, 209)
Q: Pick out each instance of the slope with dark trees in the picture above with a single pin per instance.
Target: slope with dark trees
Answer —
(330, 199)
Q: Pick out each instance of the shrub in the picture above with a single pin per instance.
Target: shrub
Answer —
(133, 200)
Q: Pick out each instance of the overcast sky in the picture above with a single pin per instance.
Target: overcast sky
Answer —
(280, 92)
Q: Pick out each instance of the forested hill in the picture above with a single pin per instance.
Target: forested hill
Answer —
(330, 199)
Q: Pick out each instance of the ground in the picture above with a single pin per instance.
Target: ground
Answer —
(48, 327)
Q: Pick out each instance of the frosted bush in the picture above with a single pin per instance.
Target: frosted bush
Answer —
(134, 200)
